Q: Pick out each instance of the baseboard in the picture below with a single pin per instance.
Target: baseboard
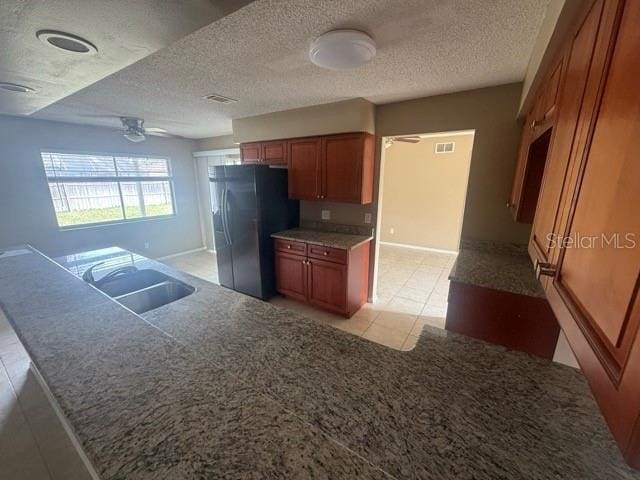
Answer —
(416, 247)
(63, 420)
(174, 255)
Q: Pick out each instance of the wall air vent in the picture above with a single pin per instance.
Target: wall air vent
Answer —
(214, 97)
(447, 147)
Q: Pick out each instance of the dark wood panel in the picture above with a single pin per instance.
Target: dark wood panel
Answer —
(329, 254)
(342, 168)
(275, 152)
(304, 160)
(518, 322)
(289, 246)
(251, 152)
(327, 285)
(291, 275)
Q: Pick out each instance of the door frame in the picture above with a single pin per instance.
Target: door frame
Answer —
(379, 198)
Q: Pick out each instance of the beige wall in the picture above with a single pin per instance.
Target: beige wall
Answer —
(26, 210)
(214, 143)
(491, 112)
(356, 115)
(423, 193)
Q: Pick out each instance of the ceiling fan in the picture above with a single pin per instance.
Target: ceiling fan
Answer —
(133, 129)
(409, 139)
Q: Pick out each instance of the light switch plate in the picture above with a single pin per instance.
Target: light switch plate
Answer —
(367, 218)
(326, 214)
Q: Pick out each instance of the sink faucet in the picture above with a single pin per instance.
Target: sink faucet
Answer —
(88, 277)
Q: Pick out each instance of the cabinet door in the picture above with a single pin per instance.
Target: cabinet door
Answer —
(594, 292)
(251, 152)
(515, 200)
(304, 168)
(327, 285)
(347, 168)
(546, 224)
(275, 153)
(291, 275)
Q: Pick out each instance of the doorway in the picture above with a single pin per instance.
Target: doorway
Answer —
(423, 187)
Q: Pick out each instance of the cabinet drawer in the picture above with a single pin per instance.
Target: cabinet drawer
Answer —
(336, 255)
(296, 248)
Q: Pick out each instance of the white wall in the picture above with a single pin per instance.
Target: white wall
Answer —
(26, 210)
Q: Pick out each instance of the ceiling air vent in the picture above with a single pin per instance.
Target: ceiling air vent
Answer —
(214, 97)
(447, 147)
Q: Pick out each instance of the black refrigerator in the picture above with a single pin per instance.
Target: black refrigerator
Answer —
(249, 203)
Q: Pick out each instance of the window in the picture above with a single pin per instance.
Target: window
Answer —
(89, 189)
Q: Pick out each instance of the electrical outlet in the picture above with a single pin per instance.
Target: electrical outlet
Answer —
(326, 214)
(146, 245)
(367, 218)
(392, 230)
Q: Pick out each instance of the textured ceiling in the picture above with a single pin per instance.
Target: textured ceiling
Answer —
(124, 31)
(258, 55)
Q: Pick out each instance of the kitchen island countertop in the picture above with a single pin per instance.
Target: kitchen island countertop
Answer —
(221, 385)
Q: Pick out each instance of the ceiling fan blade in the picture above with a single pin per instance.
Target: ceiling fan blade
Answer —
(408, 139)
(156, 133)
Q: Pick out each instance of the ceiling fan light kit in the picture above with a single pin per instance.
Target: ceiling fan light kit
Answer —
(342, 49)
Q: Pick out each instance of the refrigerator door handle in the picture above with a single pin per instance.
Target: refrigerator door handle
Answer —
(225, 220)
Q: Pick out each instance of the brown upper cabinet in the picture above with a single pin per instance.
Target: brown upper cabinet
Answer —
(332, 168)
(268, 153)
(347, 168)
(305, 167)
(586, 230)
(534, 146)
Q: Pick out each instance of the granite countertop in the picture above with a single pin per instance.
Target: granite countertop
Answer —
(499, 266)
(223, 385)
(326, 239)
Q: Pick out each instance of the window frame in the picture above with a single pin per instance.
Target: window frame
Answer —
(109, 179)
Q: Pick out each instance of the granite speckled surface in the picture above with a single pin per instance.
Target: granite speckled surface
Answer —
(221, 385)
(326, 239)
(500, 266)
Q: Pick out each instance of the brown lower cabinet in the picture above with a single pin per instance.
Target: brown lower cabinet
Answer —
(332, 279)
(518, 322)
(585, 241)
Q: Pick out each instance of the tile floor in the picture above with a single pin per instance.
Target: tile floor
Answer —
(412, 292)
(33, 442)
(201, 264)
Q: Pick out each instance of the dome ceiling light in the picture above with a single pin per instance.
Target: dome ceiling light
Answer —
(66, 41)
(342, 49)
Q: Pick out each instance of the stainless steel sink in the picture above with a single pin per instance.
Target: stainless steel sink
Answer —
(155, 296)
(144, 290)
(133, 282)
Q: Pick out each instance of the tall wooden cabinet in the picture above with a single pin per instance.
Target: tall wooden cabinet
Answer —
(586, 231)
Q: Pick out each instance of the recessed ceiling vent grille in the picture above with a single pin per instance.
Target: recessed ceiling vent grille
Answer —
(447, 147)
(214, 97)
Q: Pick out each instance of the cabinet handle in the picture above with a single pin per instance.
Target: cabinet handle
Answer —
(289, 246)
(325, 253)
(544, 268)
